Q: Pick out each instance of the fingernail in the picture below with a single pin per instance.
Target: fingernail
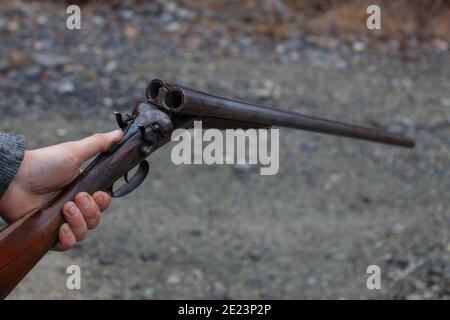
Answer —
(65, 229)
(72, 211)
(84, 201)
(99, 198)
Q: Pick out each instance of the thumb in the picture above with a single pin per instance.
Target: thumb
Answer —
(88, 147)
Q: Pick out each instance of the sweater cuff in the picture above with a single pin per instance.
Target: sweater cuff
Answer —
(12, 149)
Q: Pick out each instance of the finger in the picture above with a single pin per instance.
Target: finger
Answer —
(88, 147)
(91, 212)
(66, 238)
(75, 219)
(102, 199)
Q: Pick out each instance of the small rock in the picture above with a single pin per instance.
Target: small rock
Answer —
(13, 26)
(262, 93)
(242, 168)
(131, 32)
(332, 180)
(173, 26)
(127, 14)
(156, 183)
(196, 232)
(32, 71)
(211, 67)
(445, 102)
(173, 249)
(198, 274)
(18, 59)
(406, 121)
(111, 66)
(257, 284)
(219, 287)
(300, 91)
(440, 44)
(413, 296)
(61, 132)
(280, 49)
(98, 20)
(107, 101)
(149, 256)
(41, 19)
(4, 65)
(428, 295)
(359, 46)
(186, 14)
(142, 292)
(65, 87)
(340, 256)
(195, 198)
(173, 279)
(402, 83)
(50, 59)
(106, 258)
(245, 41)
(224, 42)
(306, 146)
(255, 254)
(3, 23)
(268, 84)
(148, 292)
(294, 56)
(399, 227)
(38, 45)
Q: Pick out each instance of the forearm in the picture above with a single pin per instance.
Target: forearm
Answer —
(11, 155)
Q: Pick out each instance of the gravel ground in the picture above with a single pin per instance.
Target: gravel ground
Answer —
(335, 207)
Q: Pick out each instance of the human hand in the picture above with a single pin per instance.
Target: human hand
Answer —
(44, 172)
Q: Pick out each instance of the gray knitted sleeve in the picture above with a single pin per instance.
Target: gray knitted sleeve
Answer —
(11, 154)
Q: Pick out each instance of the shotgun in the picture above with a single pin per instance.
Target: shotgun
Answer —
(168, 107)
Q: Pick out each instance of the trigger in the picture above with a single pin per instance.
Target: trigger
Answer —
(133, 183)
(125, 177)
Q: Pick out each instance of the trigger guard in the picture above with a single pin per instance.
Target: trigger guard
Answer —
(132, 183)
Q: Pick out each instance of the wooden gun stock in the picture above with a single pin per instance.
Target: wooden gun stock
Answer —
(24, 242)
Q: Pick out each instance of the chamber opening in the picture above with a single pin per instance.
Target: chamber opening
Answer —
(153, 89)
(173, 99)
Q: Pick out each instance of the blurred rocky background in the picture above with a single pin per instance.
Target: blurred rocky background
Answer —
(336, 206)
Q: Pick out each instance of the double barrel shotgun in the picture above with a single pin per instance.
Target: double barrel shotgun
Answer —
(169, 106)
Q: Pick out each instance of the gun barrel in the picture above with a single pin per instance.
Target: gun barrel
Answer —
(191, 102)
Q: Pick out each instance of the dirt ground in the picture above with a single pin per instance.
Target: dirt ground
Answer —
(225, 232)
